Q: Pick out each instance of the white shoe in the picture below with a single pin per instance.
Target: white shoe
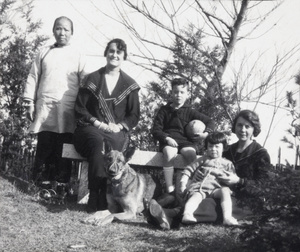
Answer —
(230, 221)
(188, 219)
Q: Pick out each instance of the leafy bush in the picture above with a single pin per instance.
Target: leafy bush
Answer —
(276, 205)
(18, 45)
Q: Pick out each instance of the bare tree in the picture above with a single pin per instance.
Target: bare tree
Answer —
(293, 133)
(266, 86)
(222, 22)
(156, 26)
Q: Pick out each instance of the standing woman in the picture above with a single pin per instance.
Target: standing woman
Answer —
(106, 109)
(49, 97)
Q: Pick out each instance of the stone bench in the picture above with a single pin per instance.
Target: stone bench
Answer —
(140, 158)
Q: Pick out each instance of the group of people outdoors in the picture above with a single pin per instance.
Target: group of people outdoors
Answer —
(68, 105)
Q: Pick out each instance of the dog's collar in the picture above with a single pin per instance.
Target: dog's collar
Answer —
(118, 181)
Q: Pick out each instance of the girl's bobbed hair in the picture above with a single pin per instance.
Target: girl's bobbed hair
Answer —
(121, 45)
(251, 117)
(216, 138)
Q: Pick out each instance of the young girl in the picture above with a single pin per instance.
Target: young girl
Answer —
(212, 165)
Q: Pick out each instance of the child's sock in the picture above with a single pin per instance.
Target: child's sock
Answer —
(227, 214)
(168, 174)
(226, 209)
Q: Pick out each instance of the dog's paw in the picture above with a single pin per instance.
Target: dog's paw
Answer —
(99, 215)
(102, 222)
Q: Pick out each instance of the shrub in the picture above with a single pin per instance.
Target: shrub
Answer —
(19, 42)
(276, 205)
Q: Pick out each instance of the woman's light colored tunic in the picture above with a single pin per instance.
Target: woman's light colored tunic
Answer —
(53, 85)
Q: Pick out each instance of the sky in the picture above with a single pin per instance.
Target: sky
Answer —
(93, 28)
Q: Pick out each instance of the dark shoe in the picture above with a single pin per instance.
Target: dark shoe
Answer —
(92, 202)
(159, 215)
(167, 199)
(146, 212)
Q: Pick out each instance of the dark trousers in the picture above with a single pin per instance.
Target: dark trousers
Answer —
(89, 142)
(49, 165)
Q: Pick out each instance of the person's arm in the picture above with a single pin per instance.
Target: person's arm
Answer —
(158, 126)
(209, 123)
(183, 182)
(31, 86)
(261, 168)
(82, 114)
(132, 111)
(158, 129)
(32, 82)
(228, 175)
(191, 170)
(229, 178)
(209, 126)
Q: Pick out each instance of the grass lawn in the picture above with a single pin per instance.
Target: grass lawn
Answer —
(29, 225)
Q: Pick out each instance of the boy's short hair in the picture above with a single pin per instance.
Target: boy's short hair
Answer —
(216, 138)
(179, 82)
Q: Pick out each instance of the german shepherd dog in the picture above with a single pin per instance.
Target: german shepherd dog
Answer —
(126, 192)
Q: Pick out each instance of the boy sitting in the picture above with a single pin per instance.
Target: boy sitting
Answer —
(169, 129)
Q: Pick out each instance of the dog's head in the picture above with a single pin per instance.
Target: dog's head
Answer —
(116, 162)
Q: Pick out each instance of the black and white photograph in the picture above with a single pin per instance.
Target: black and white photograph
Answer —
(149, 125)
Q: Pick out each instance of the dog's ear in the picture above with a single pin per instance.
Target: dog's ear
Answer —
(128, 153)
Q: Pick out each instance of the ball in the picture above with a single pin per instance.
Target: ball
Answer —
(194, 127)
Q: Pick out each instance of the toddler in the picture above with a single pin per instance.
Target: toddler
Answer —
(208, 167)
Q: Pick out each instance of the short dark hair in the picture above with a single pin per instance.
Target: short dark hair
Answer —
(66, 18)
(216, 138)
(251, 117)
(179, 82)
(121, 45)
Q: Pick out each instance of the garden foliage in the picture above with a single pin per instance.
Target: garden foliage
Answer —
(189, 61)
(275, 203)
(19, 41)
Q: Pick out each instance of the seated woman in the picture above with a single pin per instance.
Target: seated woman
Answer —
(251, 161)
(106, 109)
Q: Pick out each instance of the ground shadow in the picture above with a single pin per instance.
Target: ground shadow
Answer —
(69, 202)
